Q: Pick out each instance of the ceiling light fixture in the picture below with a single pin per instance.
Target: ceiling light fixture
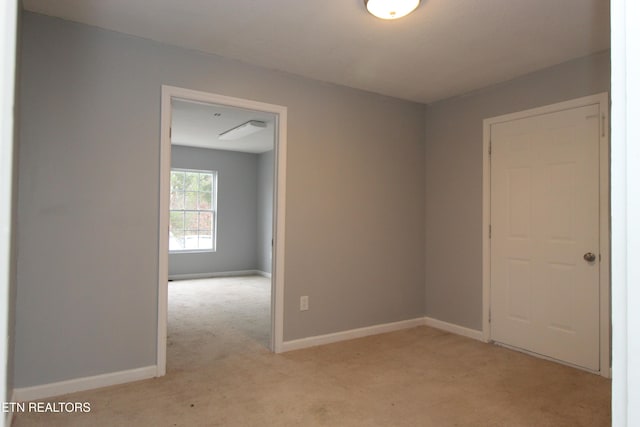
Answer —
(240, 131)
(391, 9)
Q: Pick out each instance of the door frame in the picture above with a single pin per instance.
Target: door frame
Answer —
(277, 262)
(601, 99)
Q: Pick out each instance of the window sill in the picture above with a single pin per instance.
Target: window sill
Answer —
(192, 251)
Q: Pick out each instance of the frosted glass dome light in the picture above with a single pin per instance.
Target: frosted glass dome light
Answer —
(391, 9)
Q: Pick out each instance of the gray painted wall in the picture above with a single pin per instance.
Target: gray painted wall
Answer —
(237, 211)
(89, 186)
(454, 178)
(265, 210)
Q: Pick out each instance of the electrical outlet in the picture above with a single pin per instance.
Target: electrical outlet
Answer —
(304, 303)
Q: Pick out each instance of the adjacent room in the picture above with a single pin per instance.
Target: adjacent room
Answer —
(220, 229)
(294, 213)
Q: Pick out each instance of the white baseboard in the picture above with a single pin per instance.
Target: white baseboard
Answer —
(454, 329)
(81, 384)
(191, 276)
(263, 274)
(350, 334)
(105, 380)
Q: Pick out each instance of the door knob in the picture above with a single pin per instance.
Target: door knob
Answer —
(589, 257)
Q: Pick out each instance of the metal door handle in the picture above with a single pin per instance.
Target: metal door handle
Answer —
(589, 257)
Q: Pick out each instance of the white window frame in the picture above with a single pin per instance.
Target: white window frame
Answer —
(213, 210)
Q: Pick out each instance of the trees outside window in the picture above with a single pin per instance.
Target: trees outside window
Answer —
(192, 210)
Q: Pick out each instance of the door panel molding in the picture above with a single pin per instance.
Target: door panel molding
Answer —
(602, 101)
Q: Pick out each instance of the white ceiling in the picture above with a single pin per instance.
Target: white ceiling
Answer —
(196, 124)
(445, 48)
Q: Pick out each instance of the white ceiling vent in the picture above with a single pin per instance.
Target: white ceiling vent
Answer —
(248, 128)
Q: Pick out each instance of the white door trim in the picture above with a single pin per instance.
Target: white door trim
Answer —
(277, 291)
(601, 99)
(9, 16)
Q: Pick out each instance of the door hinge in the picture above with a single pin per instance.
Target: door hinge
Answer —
(489, 230)
(603, 124)
(489, 148)
(489, 315)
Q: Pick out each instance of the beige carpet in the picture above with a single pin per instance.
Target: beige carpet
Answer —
(220, 373)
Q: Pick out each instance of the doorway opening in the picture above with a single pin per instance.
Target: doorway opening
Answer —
(191, 229)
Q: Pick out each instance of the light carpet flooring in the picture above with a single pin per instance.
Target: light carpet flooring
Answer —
(220, 373)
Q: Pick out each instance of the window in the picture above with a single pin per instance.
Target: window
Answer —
(192, 210)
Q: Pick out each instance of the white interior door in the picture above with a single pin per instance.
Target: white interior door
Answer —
(544, 241)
